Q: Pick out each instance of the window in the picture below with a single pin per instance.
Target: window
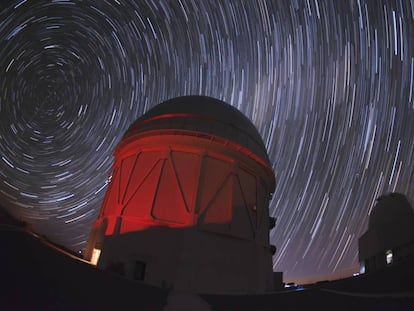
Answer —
(96, 252)
(139, 270)
(388, 257)
(362, 268)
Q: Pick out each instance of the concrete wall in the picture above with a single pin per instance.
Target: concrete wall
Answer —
(191, 259)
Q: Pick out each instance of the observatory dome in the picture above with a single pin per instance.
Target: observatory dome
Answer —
(391, 210)
(191, 179)
(202, 114)
(390, 235)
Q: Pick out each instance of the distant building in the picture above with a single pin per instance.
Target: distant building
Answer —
(187, 206)
(390, 235)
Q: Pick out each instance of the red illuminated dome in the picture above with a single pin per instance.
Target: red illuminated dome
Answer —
(187, 204)
(204, 115)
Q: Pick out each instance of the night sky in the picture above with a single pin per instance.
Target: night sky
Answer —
(329, 85)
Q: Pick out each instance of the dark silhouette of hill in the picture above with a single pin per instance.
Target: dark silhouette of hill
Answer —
(7, 219)
(37, 277)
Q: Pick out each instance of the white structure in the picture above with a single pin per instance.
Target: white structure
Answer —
(390, 235)
(187, 205)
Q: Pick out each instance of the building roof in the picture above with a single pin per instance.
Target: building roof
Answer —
(391, 209)
(204, 115)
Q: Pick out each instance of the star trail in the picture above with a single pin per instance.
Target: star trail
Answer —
(328, 84)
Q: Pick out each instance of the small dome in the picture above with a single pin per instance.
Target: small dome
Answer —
(391, 209)
(204, 115)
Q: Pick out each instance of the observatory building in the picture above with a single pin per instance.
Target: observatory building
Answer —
(390, 235)
(187, 206)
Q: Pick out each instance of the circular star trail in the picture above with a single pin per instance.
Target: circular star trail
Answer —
(329, 85)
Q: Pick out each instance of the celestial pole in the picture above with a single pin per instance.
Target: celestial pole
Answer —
(328, 84)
